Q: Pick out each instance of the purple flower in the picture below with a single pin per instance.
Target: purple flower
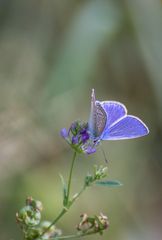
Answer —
(64, 133)
(75, 140)
(84, 136)
(78, 137)
(90, 150)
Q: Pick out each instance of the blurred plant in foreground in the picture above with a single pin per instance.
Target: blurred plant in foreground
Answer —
(108, 121)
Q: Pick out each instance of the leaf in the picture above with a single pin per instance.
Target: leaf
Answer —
(109, 183)
(64, 190)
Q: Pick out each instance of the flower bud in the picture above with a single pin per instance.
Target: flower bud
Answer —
(99, 173)
(94, 224)
(103, 220)
(84, 225)
(64, 133)
(37, 205)
(28, 216)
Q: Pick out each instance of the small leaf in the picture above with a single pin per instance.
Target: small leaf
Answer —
(64, 190)
(109, 183)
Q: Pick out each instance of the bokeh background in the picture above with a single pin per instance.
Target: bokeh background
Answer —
(52, 53)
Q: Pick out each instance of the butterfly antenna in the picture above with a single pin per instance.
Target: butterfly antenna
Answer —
(93, 94)
(103, 152)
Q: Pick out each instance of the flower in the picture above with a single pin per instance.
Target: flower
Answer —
(93, 224)
(28, 216)
(78, 137)
(64, 133)
(108, 121)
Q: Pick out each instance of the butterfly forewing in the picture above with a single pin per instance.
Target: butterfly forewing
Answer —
(100, 120)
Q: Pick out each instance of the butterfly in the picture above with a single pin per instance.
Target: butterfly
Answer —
(109, 121)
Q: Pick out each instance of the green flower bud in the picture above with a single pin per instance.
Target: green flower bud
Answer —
(34, 203)
(33, 233)
(89, 179)
(28, 216)
(99, 173)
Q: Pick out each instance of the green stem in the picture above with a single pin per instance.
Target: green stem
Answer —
(74, 236)
(77, 196)
(70, 176)
(64, 210)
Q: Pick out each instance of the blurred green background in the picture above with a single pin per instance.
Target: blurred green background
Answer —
(52, 53)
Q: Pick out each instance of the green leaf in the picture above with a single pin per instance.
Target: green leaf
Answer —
(109, 183)
(64, 190)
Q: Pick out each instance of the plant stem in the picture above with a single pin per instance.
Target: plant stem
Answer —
(77, 196)
(74, 236)
(70, 176)
(64, 210)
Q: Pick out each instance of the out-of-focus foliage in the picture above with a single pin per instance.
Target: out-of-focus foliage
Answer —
(51, 54)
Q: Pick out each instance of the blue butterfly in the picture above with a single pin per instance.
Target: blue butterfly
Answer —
(109, 121)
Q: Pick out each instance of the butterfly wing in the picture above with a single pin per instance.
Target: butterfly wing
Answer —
(98, 118)
(91, 122)
(126, 128)
(114, 111)
(120, 125)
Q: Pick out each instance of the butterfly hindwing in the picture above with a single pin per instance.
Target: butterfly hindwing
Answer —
(126, 128)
